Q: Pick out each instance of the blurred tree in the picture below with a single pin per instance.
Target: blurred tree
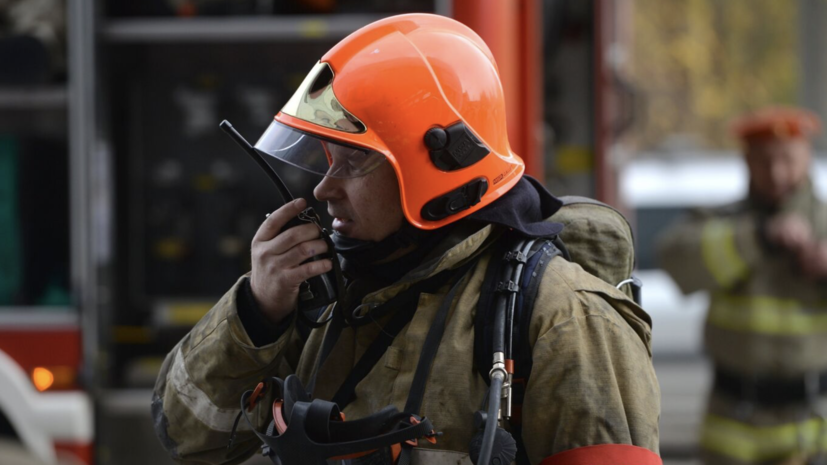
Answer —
(700, 63)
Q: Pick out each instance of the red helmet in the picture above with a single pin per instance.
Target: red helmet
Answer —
(419, 90)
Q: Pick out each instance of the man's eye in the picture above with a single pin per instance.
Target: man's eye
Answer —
(354, 159)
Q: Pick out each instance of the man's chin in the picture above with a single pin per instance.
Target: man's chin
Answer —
(775, 198)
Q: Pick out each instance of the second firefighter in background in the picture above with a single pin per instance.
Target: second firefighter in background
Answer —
(764, 260)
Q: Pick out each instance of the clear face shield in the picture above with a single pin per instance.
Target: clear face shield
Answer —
(317, 155)
(315, 102)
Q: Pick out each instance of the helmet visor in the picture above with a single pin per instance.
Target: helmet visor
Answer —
(317, 155)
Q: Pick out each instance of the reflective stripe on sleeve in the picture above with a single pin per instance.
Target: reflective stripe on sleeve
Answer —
(766, 315)
(720, 253)
(197, 401)
(605, 454)
(748, 443)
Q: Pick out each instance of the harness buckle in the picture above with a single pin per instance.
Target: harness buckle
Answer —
(516, 256)
(508, 286)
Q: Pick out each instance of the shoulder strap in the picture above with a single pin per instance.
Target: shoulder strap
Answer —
(529, 286)
(403, 299)
(405, 308)
(432, 343)
(536, 263)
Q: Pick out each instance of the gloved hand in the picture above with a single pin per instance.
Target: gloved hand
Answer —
(277, 258)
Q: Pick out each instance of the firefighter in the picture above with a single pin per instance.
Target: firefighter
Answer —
(405, 119)
(764, 261)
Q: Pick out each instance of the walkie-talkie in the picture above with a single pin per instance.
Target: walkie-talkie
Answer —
(318, 291)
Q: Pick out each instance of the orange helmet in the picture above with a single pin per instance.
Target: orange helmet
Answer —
(418, 90)
(776, 123)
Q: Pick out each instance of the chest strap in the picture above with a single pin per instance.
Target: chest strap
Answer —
(404, 304)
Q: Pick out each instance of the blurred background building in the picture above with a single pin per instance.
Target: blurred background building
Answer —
(125, 213)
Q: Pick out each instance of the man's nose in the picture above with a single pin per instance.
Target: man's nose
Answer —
(778, 173)
(328, 189)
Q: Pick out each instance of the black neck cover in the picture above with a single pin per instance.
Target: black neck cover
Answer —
(524, 208)
(359, 257)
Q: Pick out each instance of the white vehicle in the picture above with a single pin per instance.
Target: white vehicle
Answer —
(658, 191)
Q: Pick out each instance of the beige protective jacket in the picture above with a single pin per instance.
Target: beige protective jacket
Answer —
(592, 380)
(764, 320)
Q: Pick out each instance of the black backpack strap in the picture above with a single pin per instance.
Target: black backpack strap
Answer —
(529, 286)
(344, 395)
(432, 343)
(523, 361)
(405, 304)
(536, 263)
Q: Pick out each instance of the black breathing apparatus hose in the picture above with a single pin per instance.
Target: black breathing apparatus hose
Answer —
(500, 378)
